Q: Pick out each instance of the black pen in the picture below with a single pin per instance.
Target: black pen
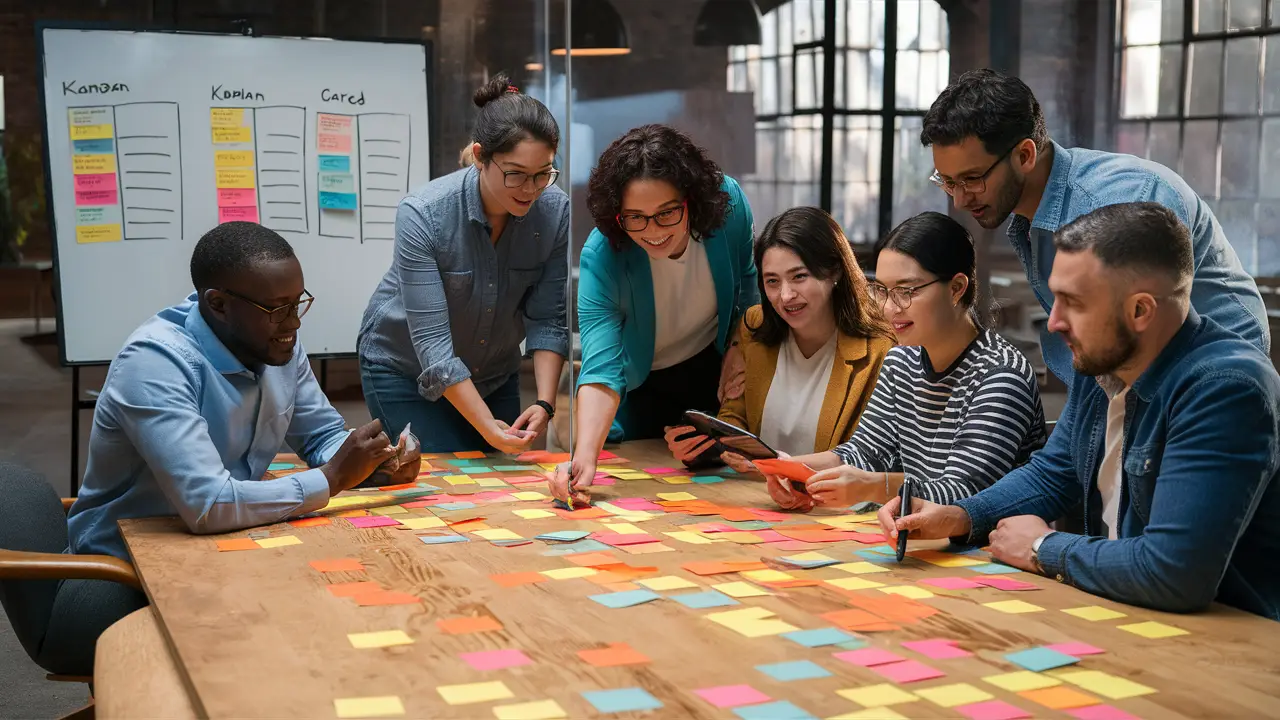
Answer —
(904, 495)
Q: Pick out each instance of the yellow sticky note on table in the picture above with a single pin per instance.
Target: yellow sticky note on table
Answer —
(677, 496)
(763, 628)
(1153, 630)
(877, 695)
(491, 482)
(422, 523)
(390, 510)
(946, 560)
(98, 233)
(1013, 607)
(676, 479)
(854, 583)
(810, 557)
(474, 692)
(1094, 613)
(668, 582)
(907, 591)
(226, 117)
(367, 707)
(1104, 684)
(92, 132)
(93, 164)
(1022, 680)
(534, 514)
(624, 528)
(459, 479)
(733, 616)
(235, 178)
(241, 134)
(233, 158)
(497, 534)
(276, 542)
(872, 713)
(767, 575)
(537, 710)
(385, 638)
(949, 696)
(740, 589)
(689, 536)
(531, 495)
(861, 568)
(569, 573)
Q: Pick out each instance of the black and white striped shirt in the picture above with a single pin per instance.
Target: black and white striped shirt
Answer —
(952, 432)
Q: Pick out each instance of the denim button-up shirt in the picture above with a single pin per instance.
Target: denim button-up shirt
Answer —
(454, 305)
(1200, 499)
(1084, 180)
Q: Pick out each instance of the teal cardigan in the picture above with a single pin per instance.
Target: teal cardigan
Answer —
(615, 299)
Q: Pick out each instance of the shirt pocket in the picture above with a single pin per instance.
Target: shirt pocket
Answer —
(458, 287)
(1141, 468)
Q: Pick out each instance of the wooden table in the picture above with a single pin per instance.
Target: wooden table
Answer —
(255, 634)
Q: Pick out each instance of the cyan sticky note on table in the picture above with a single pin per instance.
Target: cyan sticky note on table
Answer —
(796, 670)
(582, 546)
(337, 201)
(750, 524)
(884, 550)
(872, 555)
(280, 466)
(707, 479)
(1041, 659)
(993, 569)
(622, 700)
(564, 535)
(701, 600)
(442, 539)
(781, 710)
(627, 598)
(455, 506)
(514, 468)
(460, 462)
(819, 637)
(475, 469)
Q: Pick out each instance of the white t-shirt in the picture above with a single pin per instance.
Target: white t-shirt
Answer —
(684, 303)
(791, 409)
(1110, 473)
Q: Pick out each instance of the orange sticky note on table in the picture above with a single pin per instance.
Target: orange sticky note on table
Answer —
(403, 486)
(856, 619)
(593, 559)
(353, 589)
(893, 609)
(716, 567)
(518, 578)
(386, 597)
(463, 625)
(338, 565)
(615, 654)
(310, 522)
(589, 513)
(1060, 698)
(237, 544)
(469, 455)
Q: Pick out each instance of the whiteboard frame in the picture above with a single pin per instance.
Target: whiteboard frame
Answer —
(42, 26)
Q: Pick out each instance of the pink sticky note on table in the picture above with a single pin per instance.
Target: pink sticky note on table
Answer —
(96, 181)
(1004, 583)
(98, 197)
(770, 536)
(869, 657)
(237, 197)
(661, 471)
(793, 545)
(993, 710)
(247, 213)
(937, 649)
(372, 521)
(867, 538)
(1100, 712)
(716, 528)
(1076, 649)
(606, 480)
(727, 696)
(951, 583)
(907, 671)
(333, 143)
(526, 479)
(496, 659)
(620, 539)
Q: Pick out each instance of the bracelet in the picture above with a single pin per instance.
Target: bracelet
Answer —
(551, 411)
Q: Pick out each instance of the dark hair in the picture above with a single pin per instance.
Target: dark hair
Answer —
(1137, 236)
(825, 251)
(943, 247)
(1000, 110)
(508, 116)
(657, 152)
(234, 247)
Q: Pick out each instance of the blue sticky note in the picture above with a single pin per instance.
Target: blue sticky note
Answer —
(622, 700)
(885, 550)
(727, 471)
(94, 147)
(455, 506)
(993, 569)
(335, 163)
(582, 546)
(961, 549)
(280, 466)
(795, 670)
(441, 539)
(339, 182)
(627, 598)
(515, 468)
(564, 535)
(750, 525)
(414, 492)
(781, 710)
(1041, 659)
(475, 469)
(460, 462)
(819, 637)
(337, 201)
(707, 479)
(872, 555)
(807, 564)
(708, 599)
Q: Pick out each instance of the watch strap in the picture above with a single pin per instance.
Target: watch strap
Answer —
(551, 411)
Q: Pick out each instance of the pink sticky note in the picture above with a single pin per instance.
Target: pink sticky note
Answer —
(951, 583)
(525, 479)
(332, 143)
(229, 214)
(937, 649)
(993, 710)
(237, 197)
(1100, 712)
(327, 123)
(96, 181)
(907, 671)
(867, 538)
(606, 480)
(792, 545)
(869, 657)
(661, 471)
(716, 528)
(1076, 649)
(620, 539)
(492, 496)
(372, 521)
(638, 504)
(770, 536)
(1004, 583)
(98, 197)
(727, 696)
(496, 659)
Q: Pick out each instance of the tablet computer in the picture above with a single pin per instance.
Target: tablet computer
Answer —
(729, 438)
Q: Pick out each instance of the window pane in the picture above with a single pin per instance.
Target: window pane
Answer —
(1166, 144)
(1170, 79)
(1142, 21)
(808, 79)
(1240, 159)
(804, 29)
(1240, 96)
(933, 26)
(909, 24)
(1244, 14)
(877, 23)
(768, 101)
(786, 94)
(769, 34)
(1140, 93)
(1204, 93)
(1171, 20)
(912, 165)
(1131, 138)
(908, 79)
(785, 31)
(934, 69)
(1200, 157)
(855, 198)
(859, 16)
(1241, 228)
(1270, 159)
(851, 161)
(1271, 79)
(1208, 16)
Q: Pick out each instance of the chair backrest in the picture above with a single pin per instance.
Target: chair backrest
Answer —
(31, 520)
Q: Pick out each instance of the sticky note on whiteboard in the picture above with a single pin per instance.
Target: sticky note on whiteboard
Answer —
(233, 158)
(226, 117)
(237, 197)
(235, 179)
(93, 164)
(337, 201)
(92, 132)
(89, 116)
(337, 183)
(243, 213)
(335, 163)
(97, 233)
(232, 134)
(333, 143)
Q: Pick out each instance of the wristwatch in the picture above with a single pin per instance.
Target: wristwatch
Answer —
(1035, 551)
(551, 411)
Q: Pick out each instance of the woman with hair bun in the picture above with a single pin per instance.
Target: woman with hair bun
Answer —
(480, 266)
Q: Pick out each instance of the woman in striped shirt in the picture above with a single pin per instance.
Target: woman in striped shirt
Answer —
(955, 406)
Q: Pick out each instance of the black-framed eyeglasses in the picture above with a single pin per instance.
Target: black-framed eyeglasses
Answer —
(973, 185)
(280, 314)
(901, 295)
(541, 180)
(635, 222)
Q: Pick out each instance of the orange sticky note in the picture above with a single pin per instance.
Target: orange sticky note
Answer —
(615, 654)
(518, 578)
(353, 589)
(469, 455)
(716, 567)
(339, 565)
(856, 619)
(1060, 698)
(402, 486)
(386, 597)
(463, 625)
(595, 559)
(589, 513)
(893, 608)
(310, 522)
(237, 544)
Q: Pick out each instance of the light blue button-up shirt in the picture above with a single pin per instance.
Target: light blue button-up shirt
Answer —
(184, 428)
(1082, 181)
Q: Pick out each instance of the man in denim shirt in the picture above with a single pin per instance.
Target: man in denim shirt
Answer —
(1169, 442)
(994, 157)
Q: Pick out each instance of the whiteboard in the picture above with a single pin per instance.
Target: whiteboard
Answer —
(153, 138)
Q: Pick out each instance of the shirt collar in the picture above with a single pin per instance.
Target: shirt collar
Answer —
(1154, 376)
(217, 353)
(1049, 214)
(471, 196)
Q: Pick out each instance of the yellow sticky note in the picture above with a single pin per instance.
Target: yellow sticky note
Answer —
(233, 158)
(1013, 607)
(276, 542)
(226, 117)
(367, 707)
(767, 575)
(728, 617)
(537, 710)
(386, 638)
(1104, 684)
(953, 561)
(1022, 680)
(235, 178)
(763, 628)
(949, 696)
(907, 591)
(740, 589)
(569, 573)
(389, 510)
(474, 692)
(668, 582)
(90, 115)
(861, 568)
(491, 482)
(98, 233)
(531, 495)
(688, 536)
(677, 496)
(93, 164)
(837, 521)
(810, 557)
(854, 583)
(232, 134)
(534, 514)
(1094, 613)
(426, 523)
(871, 713)
(92, 132)
(1153, 630)
(877, 695)
(623, 528)
(497, 534)
(676, 479)
(459, 479)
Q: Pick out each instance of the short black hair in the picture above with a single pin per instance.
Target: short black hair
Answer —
(1141, 237)
(656, 152)
(234, 247)
(998, 109)
(943, 247)
(508, 116)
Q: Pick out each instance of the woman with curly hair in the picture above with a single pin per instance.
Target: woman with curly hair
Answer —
(664, 280)
(812, 350)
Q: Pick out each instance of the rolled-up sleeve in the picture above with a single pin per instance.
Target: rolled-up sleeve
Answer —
(425, 306)
(600, 322)
(546, 320)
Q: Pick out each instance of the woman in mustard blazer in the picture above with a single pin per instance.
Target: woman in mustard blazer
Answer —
(812, 351)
